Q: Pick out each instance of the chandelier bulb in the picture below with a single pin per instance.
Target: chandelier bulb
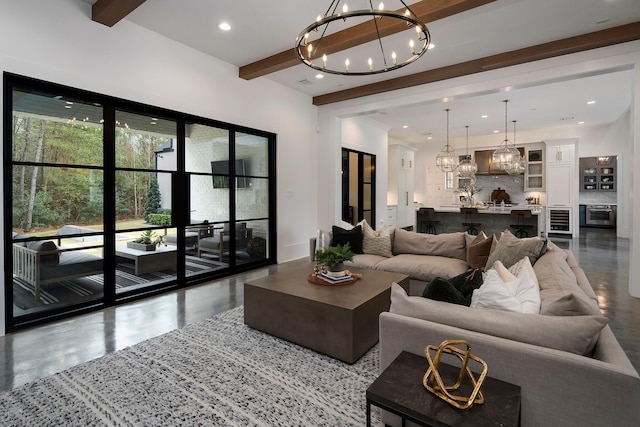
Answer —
(394, 57)
(370, 62)
(345, 8)
(324, 60)
(381, 6)
(411, 45)
(346, 65)
(309, 50)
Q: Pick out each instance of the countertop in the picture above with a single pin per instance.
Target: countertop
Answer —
(535, 209)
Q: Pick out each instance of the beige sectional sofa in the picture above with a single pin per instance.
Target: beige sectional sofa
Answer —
(570, 367)
(567, 361)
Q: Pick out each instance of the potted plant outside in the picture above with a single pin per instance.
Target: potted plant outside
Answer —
(333, 257)
(147, 241)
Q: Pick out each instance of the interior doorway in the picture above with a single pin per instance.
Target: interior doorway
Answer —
(358, 187)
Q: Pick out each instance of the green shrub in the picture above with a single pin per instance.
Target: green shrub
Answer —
(159, 219)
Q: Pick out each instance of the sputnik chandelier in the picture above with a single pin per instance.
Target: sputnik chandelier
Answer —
(316, 48)
(447, 160)
(520, 163)
(506, 155)
(467, 167)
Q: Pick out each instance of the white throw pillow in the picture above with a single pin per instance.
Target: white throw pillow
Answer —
(495, 293)
(502, 290)
(528, 292)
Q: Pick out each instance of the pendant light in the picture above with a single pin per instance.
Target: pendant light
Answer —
(467, 167)
(506, 154)
(520, 163)
(314, 44)
(447, 160)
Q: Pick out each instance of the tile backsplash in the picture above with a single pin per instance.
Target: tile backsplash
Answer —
(513, 185)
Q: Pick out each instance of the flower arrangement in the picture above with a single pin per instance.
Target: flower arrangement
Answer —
(470, 189)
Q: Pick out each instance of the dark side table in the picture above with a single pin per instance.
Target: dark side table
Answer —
(399, 390)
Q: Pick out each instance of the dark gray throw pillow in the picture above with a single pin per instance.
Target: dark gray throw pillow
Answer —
(457, 290)
(353, 237)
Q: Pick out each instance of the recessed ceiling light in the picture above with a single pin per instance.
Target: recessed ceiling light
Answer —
(496, 131)
(580, 123)
(484, 116)
(405, 126)
(591, 102)
(224, 26)
(429, 138)
(319, 76)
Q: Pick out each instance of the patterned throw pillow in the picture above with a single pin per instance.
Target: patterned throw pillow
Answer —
(376, 242)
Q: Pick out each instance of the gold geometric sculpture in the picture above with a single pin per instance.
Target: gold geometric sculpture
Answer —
(432, 379)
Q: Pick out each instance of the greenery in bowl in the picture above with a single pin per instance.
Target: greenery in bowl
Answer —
(149, 237)
(333, 255)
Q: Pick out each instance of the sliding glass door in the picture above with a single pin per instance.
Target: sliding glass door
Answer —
(107, 200)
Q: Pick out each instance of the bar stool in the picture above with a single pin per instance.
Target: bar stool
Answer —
(472, 227)
(521, 228)
(426, 223)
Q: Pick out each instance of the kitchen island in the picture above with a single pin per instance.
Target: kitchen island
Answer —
(492, 220)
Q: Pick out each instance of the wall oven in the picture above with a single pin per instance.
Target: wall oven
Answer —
(604, 215)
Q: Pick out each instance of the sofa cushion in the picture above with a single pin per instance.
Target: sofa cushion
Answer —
(457, 290)
(365, 261)
(352, 237)
(451, 245)
(509, 249)
(478, 250)
(46, 246)
(576, 334)
(376, 242)
(423, 267)
(559, 291)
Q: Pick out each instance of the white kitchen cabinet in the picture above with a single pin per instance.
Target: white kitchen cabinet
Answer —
(564, 153)
(534, 173)
(562, 186)
(560, 183)
(400, 184)
(392, 215)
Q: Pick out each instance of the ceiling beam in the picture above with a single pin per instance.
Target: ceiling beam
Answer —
(598, 39)
(426, 10)
(109, 12)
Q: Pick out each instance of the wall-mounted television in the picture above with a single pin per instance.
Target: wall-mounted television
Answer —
(220, 169)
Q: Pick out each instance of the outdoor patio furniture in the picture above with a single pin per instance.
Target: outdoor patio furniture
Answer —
(220, 242)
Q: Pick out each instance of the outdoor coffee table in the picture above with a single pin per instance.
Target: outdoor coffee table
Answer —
(399, 390)
(164, 257)
(340, 321)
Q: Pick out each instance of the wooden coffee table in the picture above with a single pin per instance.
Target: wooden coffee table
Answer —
(340, 321)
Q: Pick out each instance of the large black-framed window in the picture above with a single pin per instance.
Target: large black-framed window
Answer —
(107, 200)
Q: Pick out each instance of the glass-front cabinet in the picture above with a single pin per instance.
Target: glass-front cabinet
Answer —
(534, 179)
(107, 200)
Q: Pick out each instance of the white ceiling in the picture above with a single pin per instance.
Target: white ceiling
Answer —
(260, 29)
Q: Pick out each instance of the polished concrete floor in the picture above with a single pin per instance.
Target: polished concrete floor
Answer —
(34, 353)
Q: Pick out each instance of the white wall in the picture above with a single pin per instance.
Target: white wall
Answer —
(369, 136)
(55, 40)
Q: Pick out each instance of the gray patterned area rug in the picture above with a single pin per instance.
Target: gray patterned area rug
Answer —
(217, 372)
